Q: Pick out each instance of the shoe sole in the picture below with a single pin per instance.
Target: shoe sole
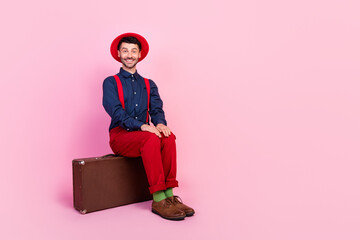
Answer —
(190, 214)
(176, 219)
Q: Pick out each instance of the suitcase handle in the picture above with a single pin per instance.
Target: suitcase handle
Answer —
(109, 155)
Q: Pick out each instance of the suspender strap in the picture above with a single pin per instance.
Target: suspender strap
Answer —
(147, 83)
(121, 94)
(120, 91)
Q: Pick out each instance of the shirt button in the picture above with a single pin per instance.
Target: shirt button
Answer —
(136, 105)
(133, 80)
(135, 117)
(134, 92)
(132, 75)
(127, 129)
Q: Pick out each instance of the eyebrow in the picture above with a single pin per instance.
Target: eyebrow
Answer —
(130, 49)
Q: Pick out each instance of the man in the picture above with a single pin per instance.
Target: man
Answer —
(131, 135)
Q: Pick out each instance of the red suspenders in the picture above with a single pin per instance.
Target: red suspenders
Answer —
(121, 94)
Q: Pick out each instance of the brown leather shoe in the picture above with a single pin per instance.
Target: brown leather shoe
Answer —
(176, 200)
(167, 210)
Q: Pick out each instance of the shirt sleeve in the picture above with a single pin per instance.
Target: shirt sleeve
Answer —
(114, 108)
(156, 105)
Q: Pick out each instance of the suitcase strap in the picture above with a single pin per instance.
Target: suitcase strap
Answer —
(121, 94)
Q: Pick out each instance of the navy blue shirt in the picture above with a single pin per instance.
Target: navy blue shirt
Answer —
(135, 97)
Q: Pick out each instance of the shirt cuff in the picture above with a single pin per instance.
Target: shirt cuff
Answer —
(161, 121)
(137, 125)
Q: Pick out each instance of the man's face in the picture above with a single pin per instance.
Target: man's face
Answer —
(129, 54)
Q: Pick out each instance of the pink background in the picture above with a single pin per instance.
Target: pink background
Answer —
(262, 95)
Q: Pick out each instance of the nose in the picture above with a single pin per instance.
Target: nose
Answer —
(131, 55)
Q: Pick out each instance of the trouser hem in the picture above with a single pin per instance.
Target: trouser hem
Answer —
(157, 187)
(172, 184)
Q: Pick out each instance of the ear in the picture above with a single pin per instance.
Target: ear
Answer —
(140, 54)
(118, 53)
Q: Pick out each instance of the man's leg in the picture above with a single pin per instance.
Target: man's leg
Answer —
(146, 145)
(168, 157)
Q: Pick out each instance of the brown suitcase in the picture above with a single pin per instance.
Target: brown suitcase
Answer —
(109, 181)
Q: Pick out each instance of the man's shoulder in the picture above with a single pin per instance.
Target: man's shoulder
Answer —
(141, 76)
(109, 81)
(150, 80)
(109, 78)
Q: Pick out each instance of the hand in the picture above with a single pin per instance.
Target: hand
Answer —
(151, 129)
(163, 129)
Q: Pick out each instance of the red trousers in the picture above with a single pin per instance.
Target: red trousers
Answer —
(158, 155)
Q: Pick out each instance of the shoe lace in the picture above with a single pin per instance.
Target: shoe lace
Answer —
(168, 202)
(177, 199)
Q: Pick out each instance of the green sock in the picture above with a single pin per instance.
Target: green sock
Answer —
(159, 195)
(169, 192)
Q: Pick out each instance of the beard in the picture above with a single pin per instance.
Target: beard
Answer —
(129, 65)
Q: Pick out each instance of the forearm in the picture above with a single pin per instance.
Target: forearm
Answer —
(156, 106)
(157, 118)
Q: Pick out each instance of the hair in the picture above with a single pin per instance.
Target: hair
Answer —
(129, 40)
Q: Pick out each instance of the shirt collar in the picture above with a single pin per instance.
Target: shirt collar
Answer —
(128, 74)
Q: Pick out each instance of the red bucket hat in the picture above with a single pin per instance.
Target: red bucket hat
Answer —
(142, 40)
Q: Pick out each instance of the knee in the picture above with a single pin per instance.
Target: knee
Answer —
(172, 137)
(169, 139)
(152, 139)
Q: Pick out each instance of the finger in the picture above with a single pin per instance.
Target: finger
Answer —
(168, 132)
(158, 134)
(163, 130)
